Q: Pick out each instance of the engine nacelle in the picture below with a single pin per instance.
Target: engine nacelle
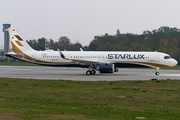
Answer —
(106, 68)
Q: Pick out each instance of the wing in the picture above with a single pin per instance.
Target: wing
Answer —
(86, 62)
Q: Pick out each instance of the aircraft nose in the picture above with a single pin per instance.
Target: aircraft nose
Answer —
(174, 62)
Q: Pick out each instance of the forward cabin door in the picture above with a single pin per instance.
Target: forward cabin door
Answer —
(156, 57)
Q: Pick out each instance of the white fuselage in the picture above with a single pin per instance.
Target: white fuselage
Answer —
(149, 59)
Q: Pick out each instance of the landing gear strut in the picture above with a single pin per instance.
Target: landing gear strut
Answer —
(157, 73)
(91, 72)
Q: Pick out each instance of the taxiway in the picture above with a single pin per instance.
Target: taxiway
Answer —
(58, 73)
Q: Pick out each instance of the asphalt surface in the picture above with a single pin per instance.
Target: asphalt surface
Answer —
(59, 73)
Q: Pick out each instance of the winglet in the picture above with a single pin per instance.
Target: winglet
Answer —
(81, 49)
(62, 55)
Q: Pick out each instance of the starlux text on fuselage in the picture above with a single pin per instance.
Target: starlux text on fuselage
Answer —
(125, 56)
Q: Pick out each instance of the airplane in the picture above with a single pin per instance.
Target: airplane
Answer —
(102, 61)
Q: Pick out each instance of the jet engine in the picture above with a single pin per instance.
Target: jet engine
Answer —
(106, 68)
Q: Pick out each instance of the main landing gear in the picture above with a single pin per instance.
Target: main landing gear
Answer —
(91, 72)
(157, 73)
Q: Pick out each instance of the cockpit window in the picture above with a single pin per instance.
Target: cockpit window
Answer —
(167, 57)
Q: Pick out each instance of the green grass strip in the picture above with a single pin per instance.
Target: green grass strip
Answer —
(59, 99)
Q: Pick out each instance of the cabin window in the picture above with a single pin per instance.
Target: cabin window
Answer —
(167, 57)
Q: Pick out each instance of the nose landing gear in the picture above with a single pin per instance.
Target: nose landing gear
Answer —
(157, 73)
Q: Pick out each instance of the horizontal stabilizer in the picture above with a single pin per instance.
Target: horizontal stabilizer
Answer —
(12, 54)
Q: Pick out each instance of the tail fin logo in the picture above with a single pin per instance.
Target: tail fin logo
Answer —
(18, 43)
(18, 37)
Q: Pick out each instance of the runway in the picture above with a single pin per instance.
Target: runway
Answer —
(59, 73)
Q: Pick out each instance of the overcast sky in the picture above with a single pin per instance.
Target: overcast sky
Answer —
(81, 20)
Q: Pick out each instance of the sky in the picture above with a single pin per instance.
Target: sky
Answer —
(81, 20)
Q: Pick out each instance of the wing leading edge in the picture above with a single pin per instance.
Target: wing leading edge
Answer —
(86, 62)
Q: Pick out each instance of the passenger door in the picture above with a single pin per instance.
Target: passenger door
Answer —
(157, 57)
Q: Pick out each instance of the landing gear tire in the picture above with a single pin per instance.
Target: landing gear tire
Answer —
(93, 72)
(157, 73)
(88, 72)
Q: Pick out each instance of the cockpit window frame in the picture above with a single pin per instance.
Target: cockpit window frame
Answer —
(167, 57)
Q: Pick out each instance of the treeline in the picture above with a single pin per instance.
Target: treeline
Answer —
(63, 43)
(164, 39)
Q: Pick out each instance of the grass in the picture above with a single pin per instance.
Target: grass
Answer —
(177, 67)
(58, 99)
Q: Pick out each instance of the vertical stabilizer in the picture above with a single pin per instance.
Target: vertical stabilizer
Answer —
(18, 43)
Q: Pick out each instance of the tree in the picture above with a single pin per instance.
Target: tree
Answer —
(51, 44)
(75, 47)
(41, 44)
(64, 43)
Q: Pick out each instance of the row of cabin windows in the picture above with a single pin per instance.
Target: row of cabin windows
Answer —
(75, 57)
(88, 57)
(51, 57)
(165, 57)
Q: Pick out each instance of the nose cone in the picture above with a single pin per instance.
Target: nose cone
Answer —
(173, 62)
